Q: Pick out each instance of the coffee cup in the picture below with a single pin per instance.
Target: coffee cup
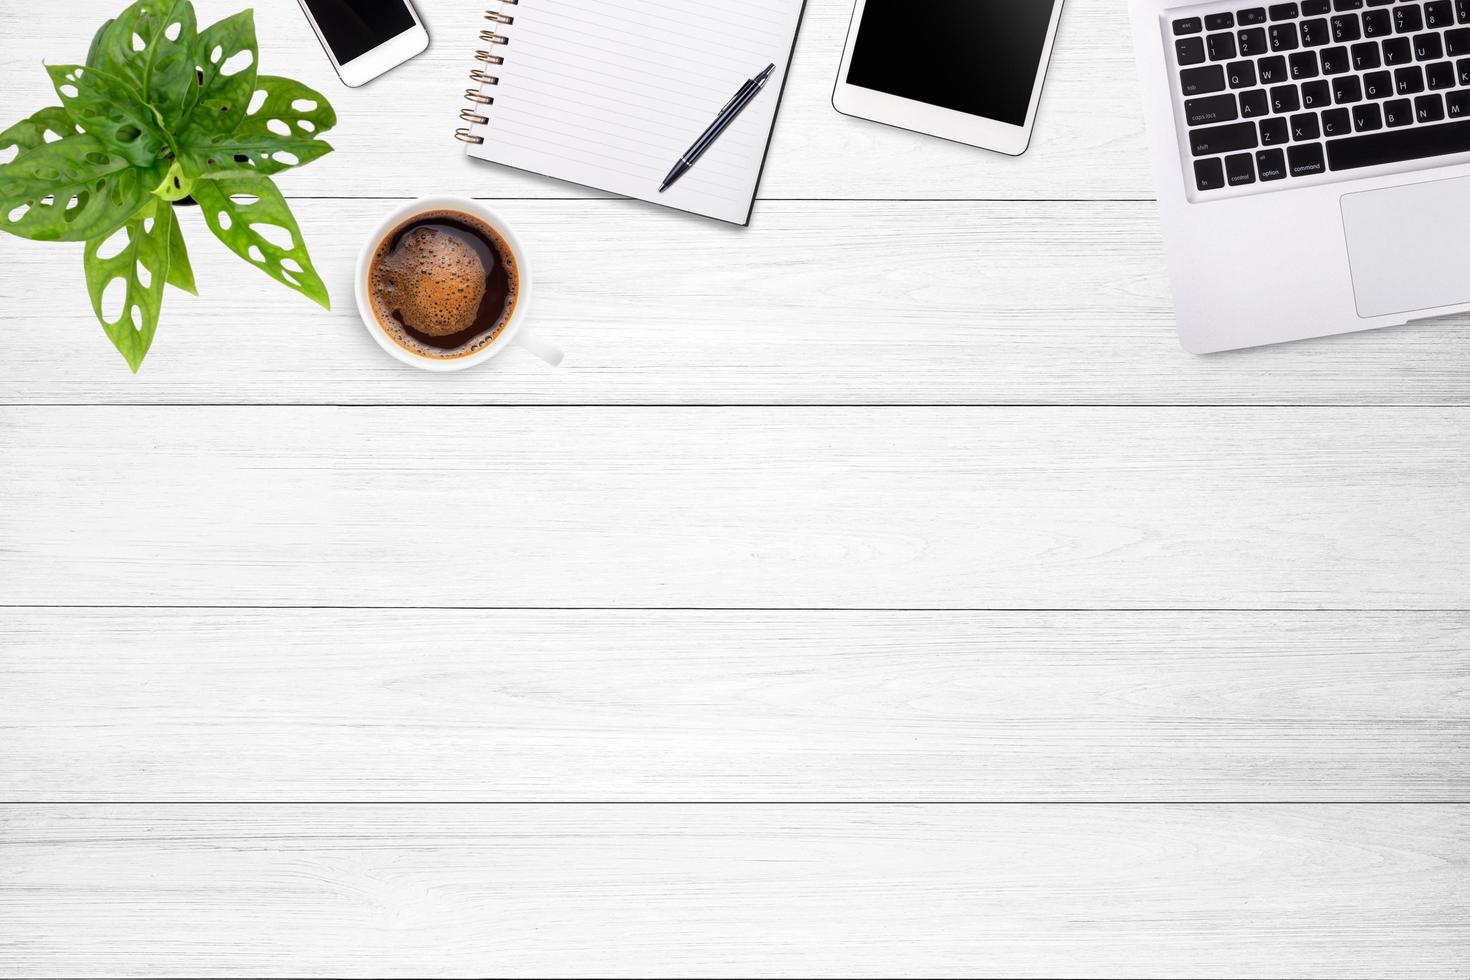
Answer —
(397, 336)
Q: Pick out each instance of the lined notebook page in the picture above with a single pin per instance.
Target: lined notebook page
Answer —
(610, 93)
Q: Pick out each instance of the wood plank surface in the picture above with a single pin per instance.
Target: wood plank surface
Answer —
(717, 891)
(874, 508)
(819, 303)
(374, 705)
(395, 136)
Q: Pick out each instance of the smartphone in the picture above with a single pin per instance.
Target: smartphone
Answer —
(365, 38)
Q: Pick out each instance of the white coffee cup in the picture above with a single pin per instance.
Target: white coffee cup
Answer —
(514, 331)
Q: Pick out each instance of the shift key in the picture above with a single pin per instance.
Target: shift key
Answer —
(1210, 109)
(1222, 139)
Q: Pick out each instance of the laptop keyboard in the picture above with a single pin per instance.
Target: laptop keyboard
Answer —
(1285, 94)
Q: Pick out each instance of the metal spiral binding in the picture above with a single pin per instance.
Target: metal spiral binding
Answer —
(482, 77)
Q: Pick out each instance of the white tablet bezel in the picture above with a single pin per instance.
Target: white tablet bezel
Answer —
(921, 117)
(377, 61)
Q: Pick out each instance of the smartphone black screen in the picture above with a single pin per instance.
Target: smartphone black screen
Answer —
(974, 56)
(352, 28)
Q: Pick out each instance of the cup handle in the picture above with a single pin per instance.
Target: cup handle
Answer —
(549, 353)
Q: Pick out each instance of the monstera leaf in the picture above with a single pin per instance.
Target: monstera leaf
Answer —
(160, 111)
(280, 130)
(140, 265)
(248, 214)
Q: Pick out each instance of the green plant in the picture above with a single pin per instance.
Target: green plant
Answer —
(162, 113)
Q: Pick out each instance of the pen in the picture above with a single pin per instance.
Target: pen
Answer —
(722, 122)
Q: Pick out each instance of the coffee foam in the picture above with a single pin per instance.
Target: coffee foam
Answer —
(384, 306)
(434, 280)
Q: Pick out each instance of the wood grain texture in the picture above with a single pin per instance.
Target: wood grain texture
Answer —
(820, 302)
(395, 136)
(790, 891)
(876, 508)
(352, 706)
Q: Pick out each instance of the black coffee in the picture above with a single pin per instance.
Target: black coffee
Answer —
(443, 284)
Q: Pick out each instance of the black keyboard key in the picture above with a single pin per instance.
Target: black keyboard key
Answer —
(1427, 47)
(1315, 8)
(1366, 117)
(1397, 112)
(1253, 42)
(1303, 65)
(1428, 108)
(1284, 98)
(1365, 56)
(1462, 11)
(1337, 122)
(1346, 4)
(1222, 46)
(1188, 25)
(1408, 144)
(1377, 23)
(1457, 42)
(1439, 13)
(1283, 11)
(1241, 74)
(1203, 80)
(1314, 33)
(1254, 104)
(1379, 3)
(1462, 71)
(1219, 22)
(1316, 95)
(1272, 70)
(1306, 159)
(1335, 61)
(1240, 169)
(1304, 127)
(1397, 51)
(1274, 132)
(1209, 175)
(1378, 85)
(1347, 90)
(1222, 139)
(1408, 81)
(1251, 15)
(1271, 164)
(1210, 109)
(1458, 104)
(1284, 37)
(1440, 75)
(1346, 28)
(1189, 51)
(1407, 19)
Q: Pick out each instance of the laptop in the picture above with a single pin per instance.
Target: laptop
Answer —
(1312, 161)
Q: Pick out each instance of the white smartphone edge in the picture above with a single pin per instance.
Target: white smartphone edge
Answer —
(932, 120)
(380, 60)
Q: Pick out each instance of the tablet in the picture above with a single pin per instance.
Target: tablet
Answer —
(963, 70)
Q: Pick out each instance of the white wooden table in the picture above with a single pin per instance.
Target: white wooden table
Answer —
(875, 591)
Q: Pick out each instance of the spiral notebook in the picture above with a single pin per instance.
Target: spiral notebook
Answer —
(609, 93)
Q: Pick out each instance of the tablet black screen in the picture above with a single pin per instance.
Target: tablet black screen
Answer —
(974, 56)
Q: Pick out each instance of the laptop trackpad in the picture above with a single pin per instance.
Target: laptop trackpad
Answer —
(1407, 246)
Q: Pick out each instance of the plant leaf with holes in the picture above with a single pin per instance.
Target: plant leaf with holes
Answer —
(159, 104)
(150, 46)
(141, 264)
(71, 190)
(222, 98)
(108, 109)
(240, 209)
(31, 132)
(280, 131)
